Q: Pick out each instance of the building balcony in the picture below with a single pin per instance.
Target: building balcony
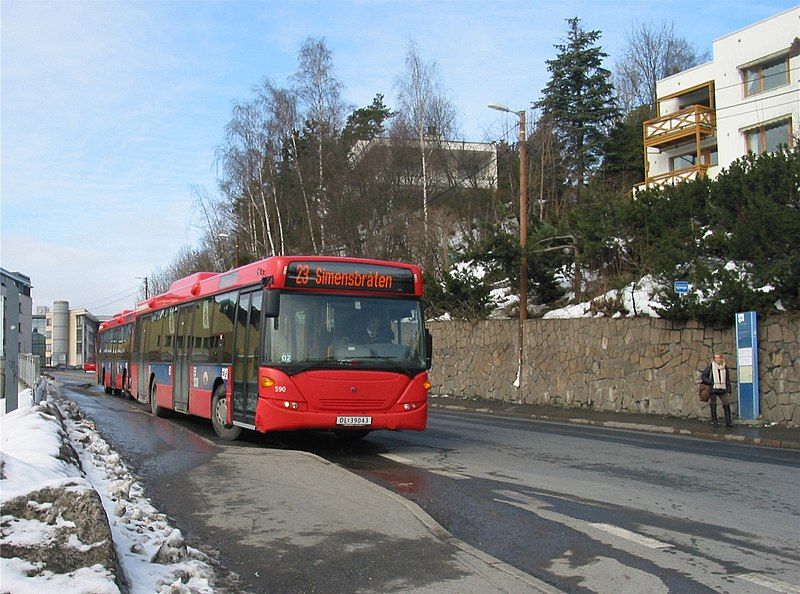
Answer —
(694, 121)
(672, 178)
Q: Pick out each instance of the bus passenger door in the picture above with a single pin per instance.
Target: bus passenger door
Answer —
(180, 393)
(247, 354)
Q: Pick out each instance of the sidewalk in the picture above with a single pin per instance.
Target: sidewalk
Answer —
(744, 432)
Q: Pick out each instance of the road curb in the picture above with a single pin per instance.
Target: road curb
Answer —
(709, 435)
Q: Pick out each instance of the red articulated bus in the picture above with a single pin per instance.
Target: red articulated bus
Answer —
(284, 343)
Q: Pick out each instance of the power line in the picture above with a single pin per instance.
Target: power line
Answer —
(102, 303)
(128, 290)
(733, 105)
(733, 115)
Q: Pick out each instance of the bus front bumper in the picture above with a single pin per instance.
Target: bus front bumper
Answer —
(274, 415)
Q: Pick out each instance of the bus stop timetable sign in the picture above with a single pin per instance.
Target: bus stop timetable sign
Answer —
(747, 365)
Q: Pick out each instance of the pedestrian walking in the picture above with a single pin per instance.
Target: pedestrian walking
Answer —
(718, 377)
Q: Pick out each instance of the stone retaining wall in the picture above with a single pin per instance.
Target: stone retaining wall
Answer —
(639, 365)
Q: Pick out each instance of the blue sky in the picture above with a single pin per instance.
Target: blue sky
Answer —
(112, 111)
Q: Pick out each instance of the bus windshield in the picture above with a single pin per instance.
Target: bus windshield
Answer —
(321, 331)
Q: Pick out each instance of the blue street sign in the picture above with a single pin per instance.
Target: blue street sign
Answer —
(681, 287)
(747, 365)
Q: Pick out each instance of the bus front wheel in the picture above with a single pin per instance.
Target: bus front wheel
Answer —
(219, 416)
(157, 410)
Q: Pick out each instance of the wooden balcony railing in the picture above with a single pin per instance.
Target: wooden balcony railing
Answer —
(692, 121)
(672, 178)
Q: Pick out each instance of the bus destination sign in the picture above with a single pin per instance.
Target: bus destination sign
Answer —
(346, 276)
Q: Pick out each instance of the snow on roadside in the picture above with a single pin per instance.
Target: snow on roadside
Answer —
(151, 553)
(24, 400)
(30, 446)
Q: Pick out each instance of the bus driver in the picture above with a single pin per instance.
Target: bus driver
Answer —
(374, 332)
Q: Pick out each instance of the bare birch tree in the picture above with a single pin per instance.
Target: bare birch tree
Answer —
(424, 112)
(653, 51)
(320, 92)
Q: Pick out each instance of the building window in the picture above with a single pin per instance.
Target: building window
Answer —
(766, 76)
(768, 137)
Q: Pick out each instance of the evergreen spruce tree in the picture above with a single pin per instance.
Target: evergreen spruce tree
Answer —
(367, 122)
(579, 100)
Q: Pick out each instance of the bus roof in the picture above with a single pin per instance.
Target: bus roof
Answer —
(119, 319)
(318, 273)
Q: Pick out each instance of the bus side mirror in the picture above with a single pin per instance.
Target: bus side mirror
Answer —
(428, 349)
(272, 303)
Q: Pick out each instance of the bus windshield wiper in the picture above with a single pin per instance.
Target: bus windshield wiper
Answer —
(391, 361)
(295, 368)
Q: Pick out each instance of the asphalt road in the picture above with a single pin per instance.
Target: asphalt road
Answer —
(596, 509)
(582, 508)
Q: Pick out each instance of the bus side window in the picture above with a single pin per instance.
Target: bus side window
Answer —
(125, 341)
(154, 338)
(201, 331)
(162, 351)
(115, 338)
(224, 310)
(168, 344)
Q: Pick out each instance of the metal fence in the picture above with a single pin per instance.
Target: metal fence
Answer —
(29, 368)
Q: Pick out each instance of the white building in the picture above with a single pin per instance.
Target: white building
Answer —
(746, 99)
(70, 335)
(450, 163)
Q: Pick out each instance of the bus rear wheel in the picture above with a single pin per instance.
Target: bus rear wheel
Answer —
(157, 410)
(219, 416)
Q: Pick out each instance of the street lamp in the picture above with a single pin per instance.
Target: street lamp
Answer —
(523, 233)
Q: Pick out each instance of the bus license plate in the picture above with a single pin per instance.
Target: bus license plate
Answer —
(353, 421)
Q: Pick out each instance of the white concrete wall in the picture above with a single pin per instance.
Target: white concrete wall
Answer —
(682, 81)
